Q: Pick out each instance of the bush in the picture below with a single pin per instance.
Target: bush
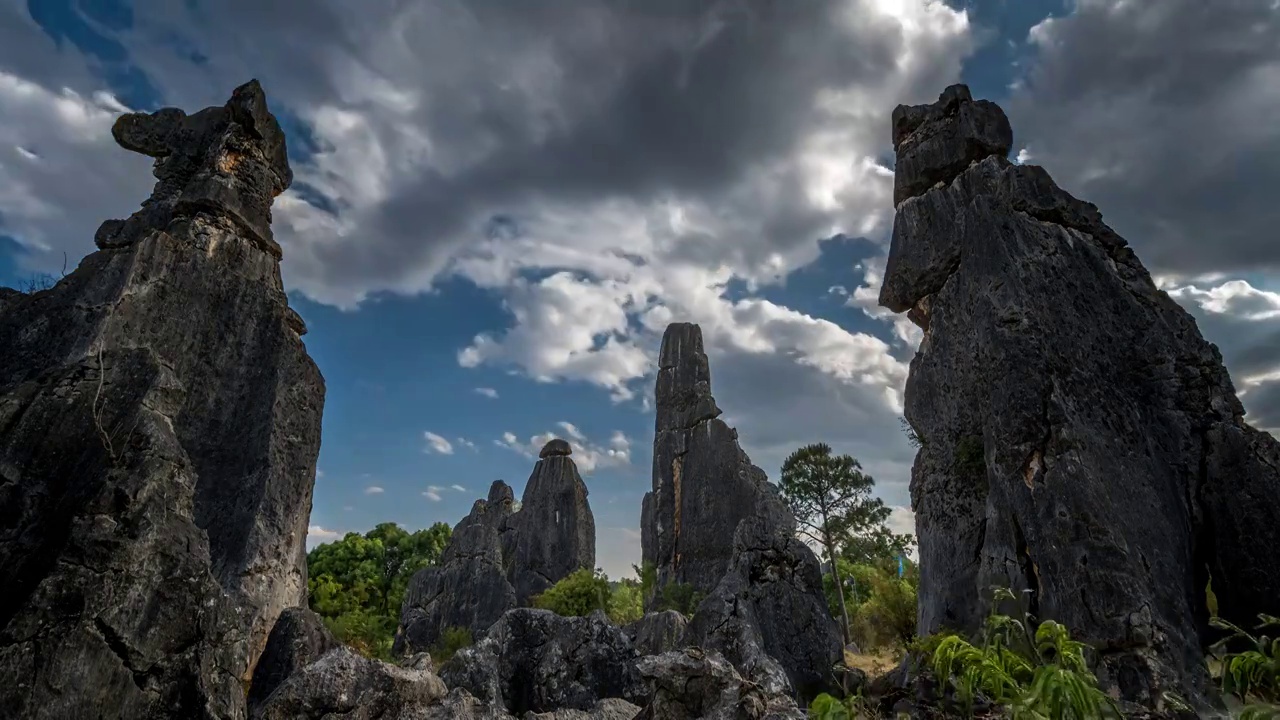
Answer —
(368, 633)
(1253, 675)
(882, 606)
(1038, 673)
(678, 596)
(626, 604)
(451, 641)
(582, 592)
(829, 707)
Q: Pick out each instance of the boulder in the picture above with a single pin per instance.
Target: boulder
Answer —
(159, 427)
(1081, 441)
(697, 684)
(535, 660)
(498, 559)
(769, 617)
(658, 632)
(298, 639)
(351, 686)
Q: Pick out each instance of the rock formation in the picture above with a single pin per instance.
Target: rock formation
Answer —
(159, 427)
(535, 660)
(498, 559)
(1080, 439)
(703, 483)
(345, 684)
(298, 639)
(695, 684)
(658, 632)
(554, 533)
(714, 521)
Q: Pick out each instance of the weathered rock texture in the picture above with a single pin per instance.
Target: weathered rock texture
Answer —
(1081, 440)
(535, 660)
(298, 639)
(714, 521)
(768, 615)
(347, 685)
(695, 684)
(658, 632)
(159, 426)
(498, 559)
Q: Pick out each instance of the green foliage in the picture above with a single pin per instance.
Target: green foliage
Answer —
(882, 606)
(582, 592)
(357, 584)
(1038, 674)
(829, 707)
(451, 641)
(1254, 673)
(678, 596)
(626, 604)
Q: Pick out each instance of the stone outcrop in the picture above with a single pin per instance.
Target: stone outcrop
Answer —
(703, 483)
(469, 588)
(298, 639)
(769, 616)
(695, 684)
(1080, 439)
(658, 632)
(159, 427)
(554, 533)
(345, 684)
(498, 559)
(714, 521)
(535, 660)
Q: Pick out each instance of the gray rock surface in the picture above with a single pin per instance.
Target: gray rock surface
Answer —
(658, 632)
(469, 588)
(714, 521)
(499, 559)
(159, 427)
(554, 533)
(347, 685)
(298, 639)
(768, 615)
(1081, 440)
(693, 683)
(703, 483)
(535, 660)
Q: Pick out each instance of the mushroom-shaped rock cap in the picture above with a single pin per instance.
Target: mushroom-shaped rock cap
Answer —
(555, 447)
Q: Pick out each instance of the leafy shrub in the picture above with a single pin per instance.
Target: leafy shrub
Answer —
(1035, 674)
(451, 641)
(829, 707)
(681, 597)
(368, 633)
(626, 604)
(582, 592)
(1252, 674)
(882, 606)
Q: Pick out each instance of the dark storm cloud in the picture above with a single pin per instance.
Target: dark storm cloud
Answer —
(555, 100)
(1167, 116)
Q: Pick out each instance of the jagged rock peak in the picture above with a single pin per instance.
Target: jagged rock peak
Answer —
(683, 395)
(556, 447)
(228, 161)
(936, 142)
(500, 494)
(1081, 441)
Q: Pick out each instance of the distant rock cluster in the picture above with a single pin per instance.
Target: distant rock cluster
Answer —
(498, 559)
(1080, 441)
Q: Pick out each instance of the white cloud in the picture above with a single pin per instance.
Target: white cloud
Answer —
(459, 488)
(437, 444)
(488, 392)
(467, 444)
(373, 490)
(432, 493)
(587, 455)
(317, 535)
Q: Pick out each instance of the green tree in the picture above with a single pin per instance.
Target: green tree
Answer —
(581, 592)
(626, 604)
(357, 584)
(831, 498)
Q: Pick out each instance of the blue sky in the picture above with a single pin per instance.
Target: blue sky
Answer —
(498, 207)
